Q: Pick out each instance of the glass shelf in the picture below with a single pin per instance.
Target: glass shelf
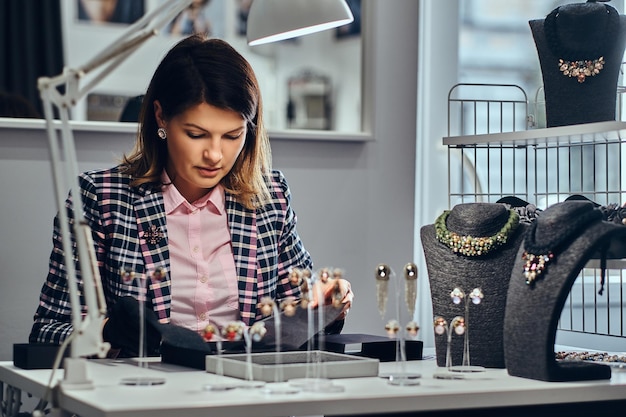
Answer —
(599, 132)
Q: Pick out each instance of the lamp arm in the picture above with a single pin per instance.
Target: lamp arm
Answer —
(117, 52)
(146, 26)
(88, 338)
(87, 328)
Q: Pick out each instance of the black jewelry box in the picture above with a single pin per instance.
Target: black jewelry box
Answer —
(35, 355)
(370, 346)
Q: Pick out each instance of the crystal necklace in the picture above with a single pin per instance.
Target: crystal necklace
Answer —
(582, 62)
(474, 246)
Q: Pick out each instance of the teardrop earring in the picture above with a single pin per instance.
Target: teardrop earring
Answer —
(162, 133)
(383, 273)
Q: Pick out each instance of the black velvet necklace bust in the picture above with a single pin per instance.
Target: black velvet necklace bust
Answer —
(589, 36)
(533, 311)
(582, 53)
(572, 42)
(490, 272)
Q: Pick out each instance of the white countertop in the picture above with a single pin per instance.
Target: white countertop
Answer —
(183, 392)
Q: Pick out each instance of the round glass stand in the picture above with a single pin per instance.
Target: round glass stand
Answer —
(316, 385)
(404, 379)
(145, 360)
(142, 381)
(448, 375)
(225, 386)
(466, 368)
(279, 388)
(412, 375)
(618, 372)
(251, 384)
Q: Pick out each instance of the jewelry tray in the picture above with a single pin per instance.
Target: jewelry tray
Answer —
(298, 364)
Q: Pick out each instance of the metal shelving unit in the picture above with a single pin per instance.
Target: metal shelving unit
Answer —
(541, 166)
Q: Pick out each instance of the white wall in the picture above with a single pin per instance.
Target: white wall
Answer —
(354, 200)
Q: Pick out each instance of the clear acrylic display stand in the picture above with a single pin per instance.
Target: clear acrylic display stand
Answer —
(400, 376)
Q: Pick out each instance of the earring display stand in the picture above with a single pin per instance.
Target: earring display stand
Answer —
(142, 360)
(400, 376)
(441, 327)
(277, 387)
(241, 331)
(315, 379)
(476, 296)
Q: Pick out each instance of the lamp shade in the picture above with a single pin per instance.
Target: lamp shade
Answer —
(275, 20)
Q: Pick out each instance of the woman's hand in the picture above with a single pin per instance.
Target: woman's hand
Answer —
(334, 291)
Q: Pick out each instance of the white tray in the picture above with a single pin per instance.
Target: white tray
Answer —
(283, 366)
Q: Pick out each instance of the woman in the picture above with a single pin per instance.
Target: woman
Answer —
(194, 211)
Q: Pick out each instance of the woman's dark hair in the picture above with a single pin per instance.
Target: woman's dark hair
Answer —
(202, 70)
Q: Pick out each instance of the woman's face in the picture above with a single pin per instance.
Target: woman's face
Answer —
(203, 144)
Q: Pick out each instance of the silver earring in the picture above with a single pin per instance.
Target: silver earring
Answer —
(162, 133)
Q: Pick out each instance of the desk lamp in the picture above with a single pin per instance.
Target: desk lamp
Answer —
(276, 20)
(268, 21)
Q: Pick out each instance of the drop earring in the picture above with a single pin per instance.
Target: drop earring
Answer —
(410, 290)
(383, 273)
(162, 133)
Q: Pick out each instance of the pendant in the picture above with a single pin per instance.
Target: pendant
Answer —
(581, 69)
(535, 265)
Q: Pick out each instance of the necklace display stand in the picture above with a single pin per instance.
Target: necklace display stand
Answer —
(533, 309)
(586, 31)
(489, 272)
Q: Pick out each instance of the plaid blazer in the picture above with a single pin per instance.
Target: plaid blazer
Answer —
(129, 230)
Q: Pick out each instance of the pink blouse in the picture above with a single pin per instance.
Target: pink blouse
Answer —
(204, 279)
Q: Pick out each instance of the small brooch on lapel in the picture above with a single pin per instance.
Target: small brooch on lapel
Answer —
(158, 274)
(153, 235)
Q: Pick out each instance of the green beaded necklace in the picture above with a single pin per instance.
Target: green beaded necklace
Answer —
(474, 246)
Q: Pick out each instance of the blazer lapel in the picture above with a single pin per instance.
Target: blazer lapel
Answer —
(242, 225)
(151, 226)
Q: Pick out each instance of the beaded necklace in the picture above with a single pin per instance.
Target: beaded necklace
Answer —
(582, 62)
(474, 246)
